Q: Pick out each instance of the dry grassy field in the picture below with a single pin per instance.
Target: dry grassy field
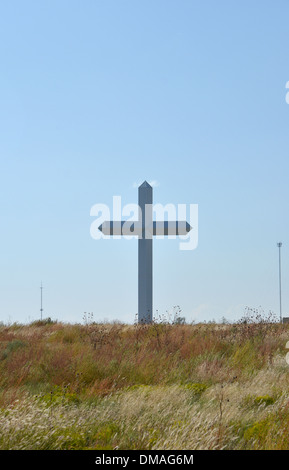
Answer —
(162, 386)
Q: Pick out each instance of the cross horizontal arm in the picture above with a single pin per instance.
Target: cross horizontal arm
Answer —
(130, 227)
(180, 227)
(120, 227)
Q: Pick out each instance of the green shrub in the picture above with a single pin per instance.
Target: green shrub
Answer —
(45, 321)
(11, 347)
(105, 436)
(257, 431)
(251, 401)
(196, 389)
(74, 441)
(264, 400)
(59, 395)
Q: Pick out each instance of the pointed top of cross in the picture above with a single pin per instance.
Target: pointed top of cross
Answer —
(145, 185)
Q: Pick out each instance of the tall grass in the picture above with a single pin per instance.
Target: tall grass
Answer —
(159, 386)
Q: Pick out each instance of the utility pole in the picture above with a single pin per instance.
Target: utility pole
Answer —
(279, 244)
(41, 309)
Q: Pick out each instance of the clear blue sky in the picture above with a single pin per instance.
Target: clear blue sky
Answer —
(96, 96)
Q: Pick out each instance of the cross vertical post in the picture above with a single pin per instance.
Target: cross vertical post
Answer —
(145, 255)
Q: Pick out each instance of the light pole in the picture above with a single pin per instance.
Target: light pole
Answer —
(280, 298)
(41, 308)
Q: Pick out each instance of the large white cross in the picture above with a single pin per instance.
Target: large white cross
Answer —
(145, 228)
